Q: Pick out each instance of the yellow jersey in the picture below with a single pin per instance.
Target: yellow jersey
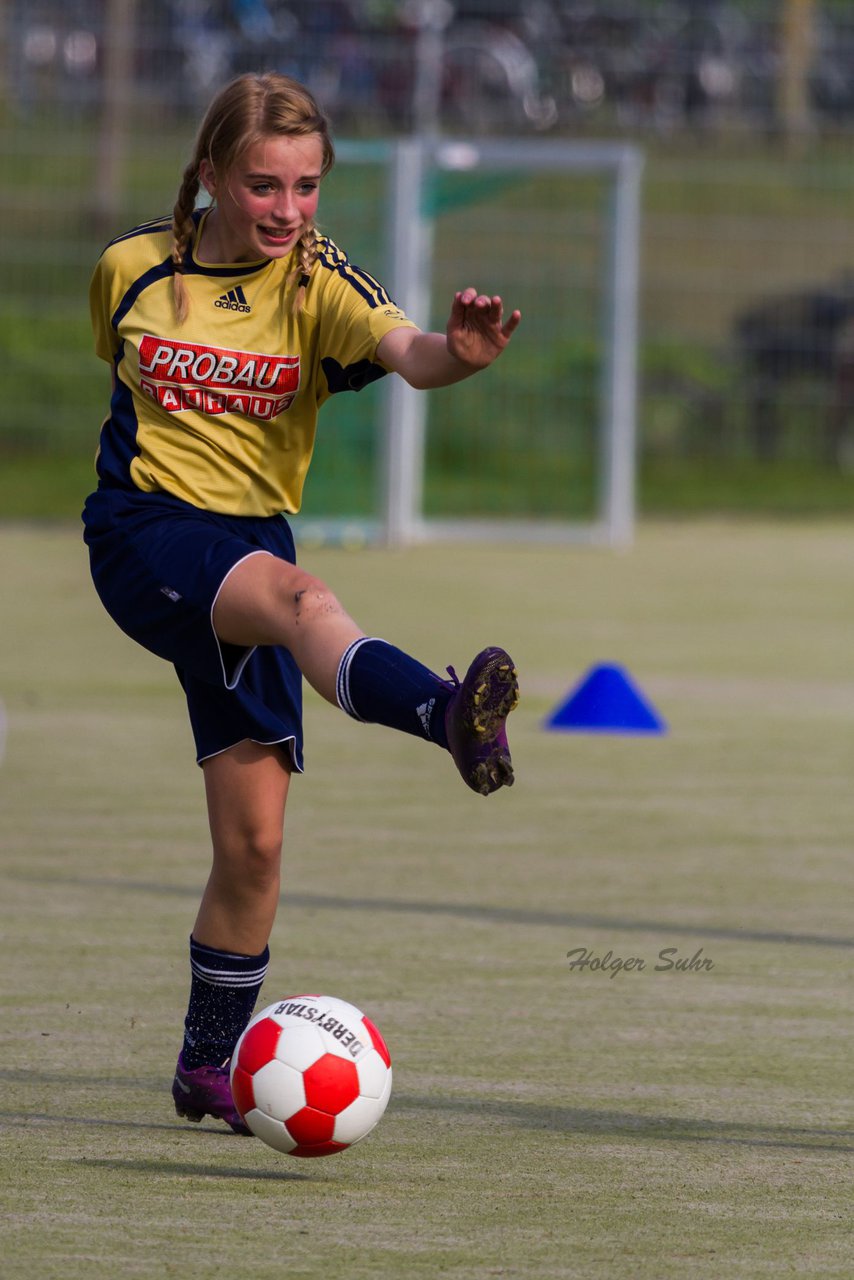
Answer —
(222, 410)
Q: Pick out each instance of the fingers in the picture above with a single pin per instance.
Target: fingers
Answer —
(512, 324)
(471, 298)
(490, 308)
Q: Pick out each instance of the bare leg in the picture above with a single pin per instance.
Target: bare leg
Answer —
(265, 600)
(246, 788)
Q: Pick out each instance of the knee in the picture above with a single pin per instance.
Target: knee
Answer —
(251, 859)
(312, 599)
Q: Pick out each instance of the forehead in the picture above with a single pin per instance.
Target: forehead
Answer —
(283, 157)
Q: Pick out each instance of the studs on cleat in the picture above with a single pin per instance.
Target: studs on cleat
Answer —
(475, 721)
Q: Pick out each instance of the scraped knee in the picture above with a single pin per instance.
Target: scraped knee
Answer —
(313, 600)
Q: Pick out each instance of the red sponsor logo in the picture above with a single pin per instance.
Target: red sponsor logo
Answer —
(186, 375)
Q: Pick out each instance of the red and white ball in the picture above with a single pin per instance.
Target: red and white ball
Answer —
(311, 1075)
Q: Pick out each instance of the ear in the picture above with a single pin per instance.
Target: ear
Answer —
(207, 177)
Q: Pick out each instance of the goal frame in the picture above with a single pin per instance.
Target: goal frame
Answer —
(411, 163)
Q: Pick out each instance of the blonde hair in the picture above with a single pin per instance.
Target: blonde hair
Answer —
(247, 110)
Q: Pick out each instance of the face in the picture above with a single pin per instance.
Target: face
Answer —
(264, 202)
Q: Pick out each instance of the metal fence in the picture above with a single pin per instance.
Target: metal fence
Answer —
(745, 115)
(410, 65)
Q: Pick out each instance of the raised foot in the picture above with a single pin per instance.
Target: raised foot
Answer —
(476, 717)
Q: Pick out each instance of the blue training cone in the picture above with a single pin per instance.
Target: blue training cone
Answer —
(606, 700)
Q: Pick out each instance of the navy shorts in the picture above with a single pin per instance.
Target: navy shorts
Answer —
(158, 565)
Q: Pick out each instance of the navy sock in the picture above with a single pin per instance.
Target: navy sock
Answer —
(223, 991)
(380, 684)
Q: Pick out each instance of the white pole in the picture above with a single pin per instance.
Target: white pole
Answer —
(432, 17)
(113, 126)
(406, 409)
(618, 461)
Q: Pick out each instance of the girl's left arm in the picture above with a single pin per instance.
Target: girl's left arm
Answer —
(475, 335)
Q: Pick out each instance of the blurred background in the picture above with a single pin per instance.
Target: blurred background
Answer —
(743, 112)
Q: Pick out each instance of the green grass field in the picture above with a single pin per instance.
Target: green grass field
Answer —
(545, 1122)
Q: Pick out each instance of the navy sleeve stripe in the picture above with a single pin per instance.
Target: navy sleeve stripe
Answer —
(331, 257)
(160, 272)
(144, 229)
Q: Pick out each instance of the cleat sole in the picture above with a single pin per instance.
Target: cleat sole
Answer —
(195, 1117)
(477, 725)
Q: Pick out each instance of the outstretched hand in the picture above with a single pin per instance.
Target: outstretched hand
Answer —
(476, 330)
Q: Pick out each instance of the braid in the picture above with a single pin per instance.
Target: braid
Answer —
(182, 230)
(306, 256)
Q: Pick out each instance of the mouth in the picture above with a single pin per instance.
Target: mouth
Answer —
(277, 235)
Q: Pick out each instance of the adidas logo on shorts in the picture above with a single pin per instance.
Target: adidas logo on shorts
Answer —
(234, 300)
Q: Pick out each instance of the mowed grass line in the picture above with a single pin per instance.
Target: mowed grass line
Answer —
(545, 1122)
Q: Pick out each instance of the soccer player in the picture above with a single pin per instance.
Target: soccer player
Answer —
(226, 329)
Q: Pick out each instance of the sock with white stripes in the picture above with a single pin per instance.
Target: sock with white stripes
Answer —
(380, 684)
(223, 991)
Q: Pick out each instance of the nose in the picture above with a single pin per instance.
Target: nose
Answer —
(285, 209)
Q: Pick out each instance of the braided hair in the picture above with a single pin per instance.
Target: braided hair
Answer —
(182, 232)
(250, 108)
(306, 255)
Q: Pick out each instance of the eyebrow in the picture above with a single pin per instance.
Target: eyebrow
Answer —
(314, 176)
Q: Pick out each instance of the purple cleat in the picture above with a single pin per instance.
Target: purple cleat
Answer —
(475, 718)
(206, 1091)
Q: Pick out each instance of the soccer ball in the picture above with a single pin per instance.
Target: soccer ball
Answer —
(311, 1075)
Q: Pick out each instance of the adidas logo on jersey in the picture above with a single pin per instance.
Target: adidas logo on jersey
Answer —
(234, 300)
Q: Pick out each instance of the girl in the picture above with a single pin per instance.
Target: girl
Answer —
(226, 330)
